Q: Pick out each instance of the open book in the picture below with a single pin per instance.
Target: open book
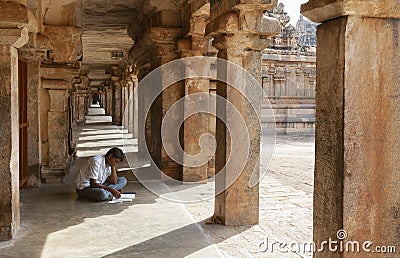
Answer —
(125, 197)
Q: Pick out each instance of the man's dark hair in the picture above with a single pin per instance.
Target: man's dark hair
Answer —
(116, 153)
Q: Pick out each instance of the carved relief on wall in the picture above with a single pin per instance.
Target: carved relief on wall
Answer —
(289, 79)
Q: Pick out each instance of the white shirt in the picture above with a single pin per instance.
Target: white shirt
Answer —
(95, 168)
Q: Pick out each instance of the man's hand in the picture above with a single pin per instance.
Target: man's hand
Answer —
(115, 193)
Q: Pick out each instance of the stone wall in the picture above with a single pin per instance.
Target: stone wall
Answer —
(288, 82)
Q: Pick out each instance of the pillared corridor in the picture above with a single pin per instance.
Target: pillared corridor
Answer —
(56, 223)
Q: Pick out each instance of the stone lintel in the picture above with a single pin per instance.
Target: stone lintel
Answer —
(323, 10)
(33, 54)
(59, 73)
(56, 84)
(250, 22)
(15, 37)
(220, 7)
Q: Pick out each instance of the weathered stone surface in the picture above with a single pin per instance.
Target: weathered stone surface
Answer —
(65, 42)
(56, 84)
(108, 22)
(9, 143)
(320, 11)
(59, 73)
(356, 172)
(219, 7)
(13, 14)
(15, 37)
(33, 128)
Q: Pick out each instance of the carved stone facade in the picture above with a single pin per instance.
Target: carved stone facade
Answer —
(289, 76)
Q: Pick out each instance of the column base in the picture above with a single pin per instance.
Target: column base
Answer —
(6, 233)
(55, 174)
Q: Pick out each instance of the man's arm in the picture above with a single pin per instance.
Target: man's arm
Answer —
(94, 184)
(113, 178)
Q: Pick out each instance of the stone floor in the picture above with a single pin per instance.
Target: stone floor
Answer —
(55, 223)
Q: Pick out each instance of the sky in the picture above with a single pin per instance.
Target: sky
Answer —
(292, 7)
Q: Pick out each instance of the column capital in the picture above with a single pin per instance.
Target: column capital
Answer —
(17, 37)
(323, 10)
(248, 21)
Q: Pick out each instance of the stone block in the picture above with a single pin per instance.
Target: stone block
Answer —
(65, 42)
(323, 10)
(13, 14)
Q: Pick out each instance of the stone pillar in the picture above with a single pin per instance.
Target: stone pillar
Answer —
(109, 101)
(125, 110)
(10, 40)
(117, 107)
(55, 88)
(102, 99)
(196, 125)
(34, 124)
(357, 167)
(135, 101)
(57, 126)
(80, 105)
(130, 106)
(236, 30)
(166, 50)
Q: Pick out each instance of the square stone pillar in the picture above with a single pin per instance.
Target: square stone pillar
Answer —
(195, 125)
(357, 169)
(34, 179)
(110, 99)
(236, 30)
(117, 102)
(131, 104)
(57, 131)
(10, 40)
(80, 105)
(135, 98)
(125, 109)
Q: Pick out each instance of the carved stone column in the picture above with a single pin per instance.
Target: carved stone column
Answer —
(109, 100)
(81, 95)
(117, 101)
(165, 39)
(124, 102)
(195, 126)
(357, 167)
(56, 87)
(130, 106)
(10, 40)
(236, 30)
(195, 44)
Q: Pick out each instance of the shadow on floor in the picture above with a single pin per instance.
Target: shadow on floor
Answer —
(179, 243)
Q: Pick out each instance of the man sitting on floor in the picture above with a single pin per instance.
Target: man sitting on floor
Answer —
(98, 180)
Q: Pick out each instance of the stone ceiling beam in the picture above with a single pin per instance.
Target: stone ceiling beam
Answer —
(323, 10)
